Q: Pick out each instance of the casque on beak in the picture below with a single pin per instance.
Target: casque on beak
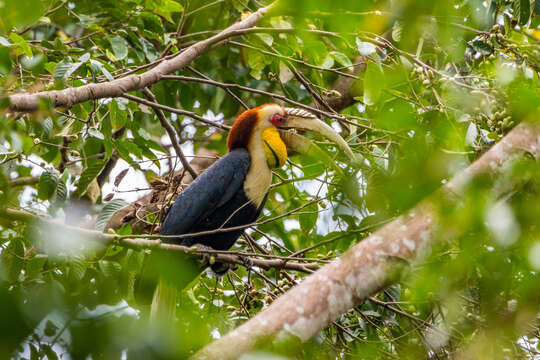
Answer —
(303, 120)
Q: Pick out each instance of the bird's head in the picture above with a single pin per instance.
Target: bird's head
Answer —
(257, 130)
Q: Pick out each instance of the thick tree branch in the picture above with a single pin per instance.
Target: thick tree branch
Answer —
(70, 96)
(270, 262)
(369, 266)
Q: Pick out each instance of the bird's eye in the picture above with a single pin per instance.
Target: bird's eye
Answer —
(277, 119)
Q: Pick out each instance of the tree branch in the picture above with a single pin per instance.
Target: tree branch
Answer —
(191, 114)
(369, 266)
(171, 131)
(136, 243)
(71, 96)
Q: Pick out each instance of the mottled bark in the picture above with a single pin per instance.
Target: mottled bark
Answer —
(369, 266)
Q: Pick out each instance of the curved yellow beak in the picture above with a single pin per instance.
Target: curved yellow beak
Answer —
(303, 120)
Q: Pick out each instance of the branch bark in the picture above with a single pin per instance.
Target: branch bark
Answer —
(369, 266)
(71, 96)
(136, 243)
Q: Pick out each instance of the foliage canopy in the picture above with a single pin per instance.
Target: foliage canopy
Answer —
(424, 87)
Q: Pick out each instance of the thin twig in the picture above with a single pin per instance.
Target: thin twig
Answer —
(171, 130)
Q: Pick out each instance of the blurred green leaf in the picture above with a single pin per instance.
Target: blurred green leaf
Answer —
(12, 260)
(365, 48)
(61, 69)
(92, 170)
(109, 268)
(19, 40)
(373, 83)
(17, 13)
(119, 47)
(308, 218)
(481, 46)
(48, 182)
(35, 265)
(341, 58)
(148, 49)
(522, 10)
(108, 210)
(256, 63)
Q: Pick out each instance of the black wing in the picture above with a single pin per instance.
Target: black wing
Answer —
(214, 187)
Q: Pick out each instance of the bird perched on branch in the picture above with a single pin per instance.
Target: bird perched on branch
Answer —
(231, 193)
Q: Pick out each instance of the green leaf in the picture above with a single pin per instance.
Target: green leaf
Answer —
(134, 260)
(76, 65)
(118, 118)
(123, 151)
(61, 69)
(50, 328)
(165, 8)
(397, 28)
(18, 40)
(328, 62)
(18, 13)
(108, 211)
(48, 181)
(373, 83)
(171, 6)
(148, 49)
(522, 11)
(109, 268)
(77, 268)
(92, 170)
(35, 265)
(256, 62)
(133, 149)
(308, 218)
(266, 38)
(119, 47)
(481, 47)
(51, 355)
(12, 260)
(97, 66)
(341, 58)
(365, 48)
(60, 194)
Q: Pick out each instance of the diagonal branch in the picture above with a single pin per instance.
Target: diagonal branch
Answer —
(191, 114)
(369, 266)
(171, 131)
(71, 96)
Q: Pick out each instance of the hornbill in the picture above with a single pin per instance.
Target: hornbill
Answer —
(233, 190)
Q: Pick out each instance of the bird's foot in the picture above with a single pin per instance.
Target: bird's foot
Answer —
(206, 259)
